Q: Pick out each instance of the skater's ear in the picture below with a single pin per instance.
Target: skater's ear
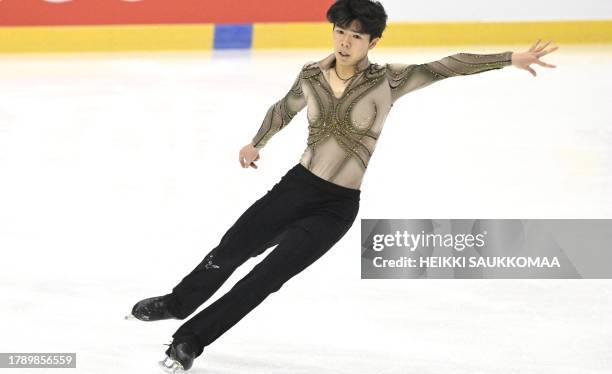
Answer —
(373, 43)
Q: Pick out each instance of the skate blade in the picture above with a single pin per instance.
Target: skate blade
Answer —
(133, 317)
(171, 366)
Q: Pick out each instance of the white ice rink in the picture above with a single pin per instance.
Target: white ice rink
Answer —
(119, 172)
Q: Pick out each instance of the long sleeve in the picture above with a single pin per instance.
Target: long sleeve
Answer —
(280, 114)
(406, 78)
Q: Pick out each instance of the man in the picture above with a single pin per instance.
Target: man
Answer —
(316, 202)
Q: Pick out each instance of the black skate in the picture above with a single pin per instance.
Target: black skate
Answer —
(151, 309)
(179, 357)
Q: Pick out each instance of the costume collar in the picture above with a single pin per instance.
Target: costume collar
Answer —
(328, 62)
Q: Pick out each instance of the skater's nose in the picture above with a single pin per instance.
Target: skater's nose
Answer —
(345, 41)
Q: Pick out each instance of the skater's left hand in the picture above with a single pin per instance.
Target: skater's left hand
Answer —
(522, 60)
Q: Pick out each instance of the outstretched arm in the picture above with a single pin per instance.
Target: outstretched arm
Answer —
(406, 78)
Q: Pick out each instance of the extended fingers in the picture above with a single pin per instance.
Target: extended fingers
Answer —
(542, 53)
(534, 46)
(542, 46)
(542, 63)
(529, 69)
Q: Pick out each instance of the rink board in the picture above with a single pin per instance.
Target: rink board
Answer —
(78, 38)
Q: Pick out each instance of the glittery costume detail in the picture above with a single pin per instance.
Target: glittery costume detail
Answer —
(280, 114)
(209, 263)
(343, 131)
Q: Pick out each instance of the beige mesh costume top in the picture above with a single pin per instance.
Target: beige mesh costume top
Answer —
(343, 130)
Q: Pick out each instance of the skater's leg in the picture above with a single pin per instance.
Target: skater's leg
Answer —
(260, 227)
(305, 241)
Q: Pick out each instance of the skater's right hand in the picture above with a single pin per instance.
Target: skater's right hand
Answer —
(248, 154)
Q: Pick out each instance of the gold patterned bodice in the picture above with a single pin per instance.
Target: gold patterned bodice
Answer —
(343, 131)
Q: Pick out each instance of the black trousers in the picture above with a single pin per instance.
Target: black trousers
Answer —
(303, 213)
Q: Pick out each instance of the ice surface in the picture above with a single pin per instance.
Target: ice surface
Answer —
(119, 172)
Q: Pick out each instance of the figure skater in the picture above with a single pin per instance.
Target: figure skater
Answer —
(315, 203)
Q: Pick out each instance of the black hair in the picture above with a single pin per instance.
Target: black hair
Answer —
(370, 14)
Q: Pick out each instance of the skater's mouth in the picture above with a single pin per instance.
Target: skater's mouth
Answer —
(343, 54)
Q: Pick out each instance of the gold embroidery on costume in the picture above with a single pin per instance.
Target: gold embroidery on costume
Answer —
(279, 115)
(342, 132)
(335, 119)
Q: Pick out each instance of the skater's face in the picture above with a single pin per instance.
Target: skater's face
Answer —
(350, 45)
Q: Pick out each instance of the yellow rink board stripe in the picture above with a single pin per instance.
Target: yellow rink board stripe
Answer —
(294, 35)
(106, 38)
(318, 35)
